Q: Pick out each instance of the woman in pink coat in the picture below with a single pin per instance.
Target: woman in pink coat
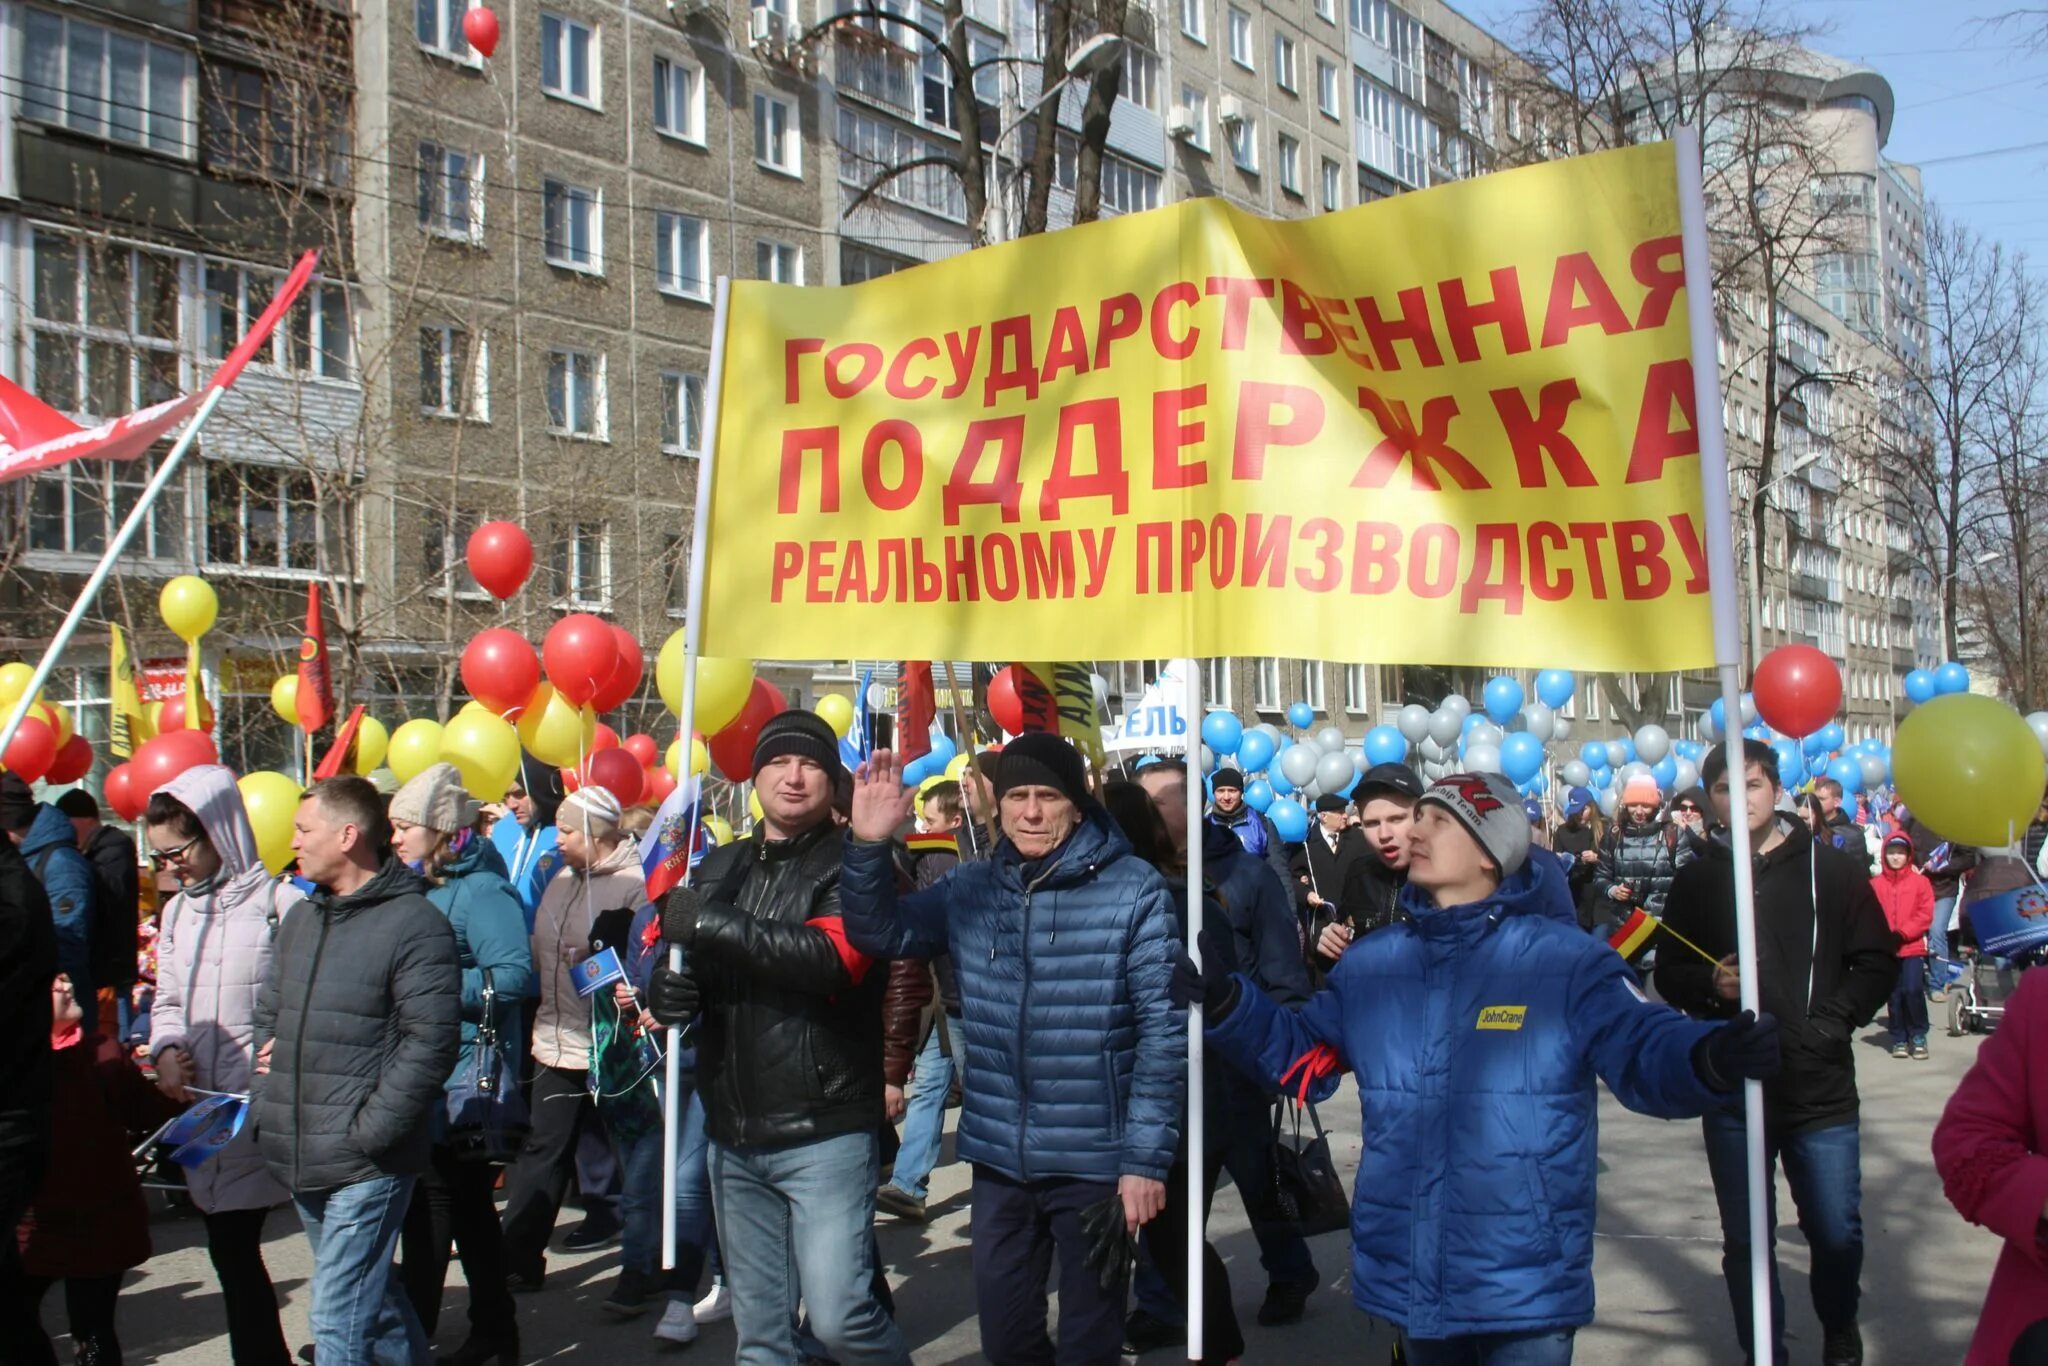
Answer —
(1991, 1148)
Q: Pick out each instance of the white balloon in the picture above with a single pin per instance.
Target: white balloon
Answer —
(2038, 722)
(1709, 732)
(1101, 688)
(1562, 730)
(1457, 705)
(1617, 755)
(1608, 802)
(1445, 725)
(1334, 770)
(1652, 743)
(1576, 774)
(1208, 759)
(1330, 738)
(1540, 721)
(1482, 758)
(1431, 751)
(1748, 711)
(1874, 771)
(1688, 776)
(1413, 722)
(1298, 764)
(1271, 732)
(1637, 769)
(1485, 733)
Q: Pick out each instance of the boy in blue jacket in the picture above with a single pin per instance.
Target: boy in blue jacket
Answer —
(1476, 1028)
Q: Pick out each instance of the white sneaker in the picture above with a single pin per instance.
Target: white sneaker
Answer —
(715, 1306)
(678, 1324)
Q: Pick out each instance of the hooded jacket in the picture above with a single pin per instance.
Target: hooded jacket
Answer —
(1266, 937)
(1075, 1050)
(1255, 830)
(532, 854)
(1643, 858)
(213, 955)
(1476, 1034)
(490, 936)
(1907, 897)
(50, 844)
(362, 1003)
(562, 929)
(1828, 961)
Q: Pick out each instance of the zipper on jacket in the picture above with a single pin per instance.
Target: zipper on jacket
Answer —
(299, 1048)
(1023, 1055)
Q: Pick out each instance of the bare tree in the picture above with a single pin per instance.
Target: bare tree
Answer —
(2006, 593)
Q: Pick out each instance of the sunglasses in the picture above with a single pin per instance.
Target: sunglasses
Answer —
(160, 857)
(1687, 806)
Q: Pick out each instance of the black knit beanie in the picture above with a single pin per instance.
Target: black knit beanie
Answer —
(802, 733)
(1043, 760)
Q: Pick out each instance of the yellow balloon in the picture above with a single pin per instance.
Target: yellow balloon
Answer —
(284, 698)
(484, 749)
(1970, 769)
(14, 680)
(837, 712)
(700, 757)
(929, 783)
(723, 685)
(372, 740)
(414, 748)
(557, 732)
(271, 800)
(957, 765)
(189, 606)
(720, 828)
(754, 806)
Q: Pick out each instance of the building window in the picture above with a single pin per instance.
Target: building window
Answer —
(1326, 10)
(582, 563)
(776, 130)
(454, 373)
(1405, 42)
(1312, 683)
(870, 147)
(1197, 104)
(1216, 684)
(1333, 185)
(1290, 164)
(1266, 684)
(1327, 98)
(446, 564)
(576, 405)
(107, 84)
(682, 413)
(682, 256)
(1194, 20)
(678, 100)
(859, 264)
(1243, 137)
(676, 557)
(263, 517)
(1141, 77)
(779, 262)
(1240, 37)
(438, 26)
(314, 338)
(451, 193)
(1125, 186)
(1354, 688)
(568, 59)
(1284, 74)
(572, 226)
(104, 326)
(1369, 17)
(275, 127)
(75, 508)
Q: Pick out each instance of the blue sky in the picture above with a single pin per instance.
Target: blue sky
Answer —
(1963, 87)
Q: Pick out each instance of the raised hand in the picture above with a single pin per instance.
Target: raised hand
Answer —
(881, 803)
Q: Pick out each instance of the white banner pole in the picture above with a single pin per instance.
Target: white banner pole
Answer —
(672, 1111)
(1724, 586)
(1196, 1224)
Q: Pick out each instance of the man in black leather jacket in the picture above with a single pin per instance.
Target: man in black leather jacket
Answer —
(789, 1061)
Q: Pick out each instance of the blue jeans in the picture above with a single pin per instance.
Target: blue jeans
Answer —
(1548, 1347)
(924, 1116)
(360, 1314)
(1823, 1168)
(801, 1217)
(1907, 1019)
(1937, 944)
(640, 1204)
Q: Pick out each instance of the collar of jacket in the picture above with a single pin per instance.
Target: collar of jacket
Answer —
(1095, 842)
(1536, 888)
(388, 883)
(1797, 837)
(775, 851)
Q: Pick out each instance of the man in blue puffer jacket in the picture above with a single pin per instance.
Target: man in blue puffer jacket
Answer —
(1476, 1029)
(1064, 943)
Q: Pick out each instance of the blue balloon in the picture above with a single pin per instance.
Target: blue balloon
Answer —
(1665, 771)
(1277, 780)
(1222, 732)
(1540, 784)
(1835, 736)
(1951, 678)
(1258, 794)
(1502, 699)
(1816, 743)
(1849, 773)
(1594, 754)
(1791, 763)
(1254, 751)
(1385, 745)
(917, 770)
(1289, 819)
(1603, 778)
(1301, 716)
(1718, 714)
(942, 752)
(1920, 686)
(1473, 721)
(1555, 687)
(1521, 756)
(1628, 748)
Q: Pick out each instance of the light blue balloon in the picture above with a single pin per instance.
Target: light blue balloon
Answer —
(1254, 751)
(1603, 778)
(1289, 819)
(1471, 723)
(1540, 784)
(1385, 745)
(1258, 795)
(1521, 757)
(1222, 732)
(1665, 771)
(1920, 686)
(1594, 754)
(1503, 698)
(1301, 716)
(1835, 736)
(1849, 773)
(942, 752)
(1816, 743)
(917, 770)
(1555, 687)
(1951, 678)
(1791, 763)
(1277, 780)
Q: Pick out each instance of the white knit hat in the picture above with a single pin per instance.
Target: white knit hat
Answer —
(592, 810)
(436, 799)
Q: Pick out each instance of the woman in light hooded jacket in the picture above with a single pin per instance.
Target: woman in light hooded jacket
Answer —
(213, 954)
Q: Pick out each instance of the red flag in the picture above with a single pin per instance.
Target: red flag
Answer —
(344, 743)
(916, 707)
(316, 684)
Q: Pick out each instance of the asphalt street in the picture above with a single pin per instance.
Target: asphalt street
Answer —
(1657, 1264)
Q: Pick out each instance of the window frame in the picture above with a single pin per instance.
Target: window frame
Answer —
(450, 44)
(776, 246)
(573, 394)
(789, 141)
(51, 105)
(1266, 684)
(478, 344)
(1197, 104)
(669, 225)
(562, 50)
(1287, 156)
(1239, 38)
(437, 223)
(1286, 62)
(1243, 140)
(1356, 695)
(1333, 175)
(569, 570)
(681, 383)
(242, 471)
(1312, 690)
(1329, 90)
(691, 130)
(1199, 11)
(571, 193)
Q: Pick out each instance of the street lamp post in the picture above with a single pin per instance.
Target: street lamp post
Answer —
(1094, 56)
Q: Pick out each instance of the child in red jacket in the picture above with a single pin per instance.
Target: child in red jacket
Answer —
(1908, 900)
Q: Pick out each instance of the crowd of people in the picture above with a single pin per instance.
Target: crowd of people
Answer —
(873, 950)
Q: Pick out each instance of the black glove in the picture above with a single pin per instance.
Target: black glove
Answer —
(1111, 1249)
(1744, 1049)
(673, 997)
(1210, 986)
(679, 915)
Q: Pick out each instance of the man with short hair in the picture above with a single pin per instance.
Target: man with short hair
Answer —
(1838, 829)
(1324, 863)
(789, 1060)
(1253, 828)
(1385, 796)
(1064, 940)
(50, 845)
(527, 842)
(357, 1031)
(1826, 962)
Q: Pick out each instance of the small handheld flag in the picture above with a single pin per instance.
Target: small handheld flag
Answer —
(1634, 933)
(597, 972)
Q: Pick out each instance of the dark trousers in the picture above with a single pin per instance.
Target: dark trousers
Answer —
(600, 1176)
(1017, 1225)
(89, 1309)
(234, 1240)
(1283, 1252)
(452, 1205)
(1166, 1242)
(1908, 1018)
(538, 1179)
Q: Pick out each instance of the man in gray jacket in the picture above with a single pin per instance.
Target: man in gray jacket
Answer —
(357, 1031)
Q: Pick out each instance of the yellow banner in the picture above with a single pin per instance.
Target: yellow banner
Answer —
(127, 726)
(1451, 427)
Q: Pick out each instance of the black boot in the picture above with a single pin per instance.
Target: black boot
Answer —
(502, 1350)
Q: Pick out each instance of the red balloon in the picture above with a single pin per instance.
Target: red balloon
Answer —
(657, 784)
(169, 754)
(618, 772)
(625, 679)
(32, 750)
(480, 26)
(73, 761)
(603, 738)
(500, 554)
(580, 653)
(499, 667)
(1020, 703)
(732, 749)
(1798, 690)
(571, 780)
(118, 787)
(643, 748)
(172, 717)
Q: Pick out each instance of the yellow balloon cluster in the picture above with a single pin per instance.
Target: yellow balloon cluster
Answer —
(271, 800)
(723, 685)
(14, 680)
(556, 730)
(700, 757)
(720, 828)
(484, 749)
(414, 748)
(1970, 769)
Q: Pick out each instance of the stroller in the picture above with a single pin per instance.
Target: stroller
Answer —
(1976, 999)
